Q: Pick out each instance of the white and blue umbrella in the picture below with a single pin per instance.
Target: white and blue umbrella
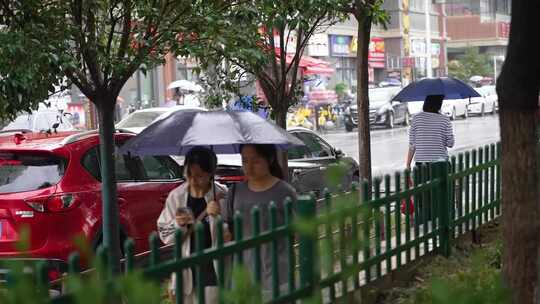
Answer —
(222, 131)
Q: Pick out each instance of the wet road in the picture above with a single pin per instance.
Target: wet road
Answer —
(389, 147)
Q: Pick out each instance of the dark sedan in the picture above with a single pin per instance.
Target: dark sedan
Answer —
(382, 110)
(312, 167)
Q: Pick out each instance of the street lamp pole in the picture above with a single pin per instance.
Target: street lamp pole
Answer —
(429, 69)
(495, 58)
(494, 68)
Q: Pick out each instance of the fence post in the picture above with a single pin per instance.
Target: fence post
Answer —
(307, 245)
(444, 205)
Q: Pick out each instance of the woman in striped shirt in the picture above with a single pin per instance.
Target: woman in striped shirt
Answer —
(430, 134)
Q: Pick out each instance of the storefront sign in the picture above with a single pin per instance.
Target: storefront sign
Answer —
(290, 44)
(504, 29)
(408, 62)
(418, 47)
(376, 49)
(318, 45)
(341, 46)
(376, 53)
(376, 64)
(435, 62)
(435, 49)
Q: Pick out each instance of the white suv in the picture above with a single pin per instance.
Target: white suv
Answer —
(40, 121)
(140, 119)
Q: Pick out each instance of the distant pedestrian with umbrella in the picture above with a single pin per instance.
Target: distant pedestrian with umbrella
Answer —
(188, 205)
(430, 134)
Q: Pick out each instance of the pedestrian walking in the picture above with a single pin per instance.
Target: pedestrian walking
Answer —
(188, 205)
(264, 184)
(430, 136)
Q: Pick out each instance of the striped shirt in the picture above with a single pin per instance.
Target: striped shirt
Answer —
(430, 135)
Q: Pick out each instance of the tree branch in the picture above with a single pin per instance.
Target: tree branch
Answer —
(299, 51)
(89, 51)
(282, 84)
(109, 42)
(301, 46)
(273, 54)
(126, 31)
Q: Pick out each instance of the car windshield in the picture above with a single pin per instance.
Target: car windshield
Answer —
(21, 172)
(139, 120)
(21, 122)
(379, 96)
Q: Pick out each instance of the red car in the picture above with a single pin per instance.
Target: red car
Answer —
(51, 185)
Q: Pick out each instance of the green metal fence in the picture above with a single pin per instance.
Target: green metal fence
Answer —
(341, 243)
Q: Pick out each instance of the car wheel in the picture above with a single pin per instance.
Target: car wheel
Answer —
(390, 120)
(407, 119)
(483, 111)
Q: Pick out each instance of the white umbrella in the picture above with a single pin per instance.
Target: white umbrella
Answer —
(476, 78)
(185, 85)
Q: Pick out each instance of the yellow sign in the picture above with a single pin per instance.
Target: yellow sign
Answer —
(407, 71)
(435, 62)
(354, 45)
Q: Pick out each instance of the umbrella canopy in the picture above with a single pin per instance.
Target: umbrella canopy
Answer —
(185, 85)
(476, 78)
(451, 88)
(222, 131)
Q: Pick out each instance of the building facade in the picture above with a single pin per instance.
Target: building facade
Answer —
(484, 24)
(398, 51)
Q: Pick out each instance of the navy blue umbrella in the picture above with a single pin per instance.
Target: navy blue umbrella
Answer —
(451, 88)
(224, 132)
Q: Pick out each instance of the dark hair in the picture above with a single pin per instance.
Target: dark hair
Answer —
(268, 152)
(203, 157)
(433, 103)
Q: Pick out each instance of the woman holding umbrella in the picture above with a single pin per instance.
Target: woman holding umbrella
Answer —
(187, 205)
(264, 184)
(226, 133)
(430, 134)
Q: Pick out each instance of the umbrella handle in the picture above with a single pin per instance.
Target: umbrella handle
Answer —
(214, 188)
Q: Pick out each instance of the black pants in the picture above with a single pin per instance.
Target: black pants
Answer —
(423, 209)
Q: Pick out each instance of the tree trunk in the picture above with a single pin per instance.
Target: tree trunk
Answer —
(281, 121)
(364, 137)
(518, 88)
(520, 202)
(111, 233)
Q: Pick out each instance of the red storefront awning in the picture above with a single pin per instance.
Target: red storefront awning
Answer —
(319, 70)
(310, 65)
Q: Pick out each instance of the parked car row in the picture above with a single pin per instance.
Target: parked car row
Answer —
(487, 103)
(383, 111)
(50, 183)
